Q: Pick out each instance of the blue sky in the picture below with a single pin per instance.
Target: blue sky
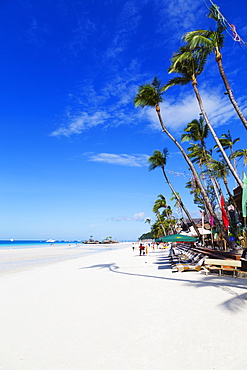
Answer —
(73, 147)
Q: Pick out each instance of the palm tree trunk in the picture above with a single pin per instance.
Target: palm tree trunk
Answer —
(195, 174)
(229, 91)
(181, 204)
(233, 160)
(194, 84)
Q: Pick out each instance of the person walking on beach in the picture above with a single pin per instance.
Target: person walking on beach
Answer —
(141, 247)
(147, 248)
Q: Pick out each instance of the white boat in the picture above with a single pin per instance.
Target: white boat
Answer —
(11, 239)
(50, 241)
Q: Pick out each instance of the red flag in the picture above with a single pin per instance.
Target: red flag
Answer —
(224, 215)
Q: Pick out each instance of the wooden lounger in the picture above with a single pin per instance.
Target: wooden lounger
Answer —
(212, 264)
(180, 267)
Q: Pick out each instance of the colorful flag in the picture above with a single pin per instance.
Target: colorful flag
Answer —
(211, 220)
(244, 195)
(224, 215)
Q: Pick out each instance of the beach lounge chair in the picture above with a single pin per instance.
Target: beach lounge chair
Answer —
(180, 267)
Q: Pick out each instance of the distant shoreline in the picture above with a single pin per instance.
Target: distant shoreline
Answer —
(23, 257)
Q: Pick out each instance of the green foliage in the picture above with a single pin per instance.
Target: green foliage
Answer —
(149, 94)
(148, 235)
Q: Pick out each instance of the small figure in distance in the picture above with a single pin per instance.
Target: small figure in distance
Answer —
(141, 247)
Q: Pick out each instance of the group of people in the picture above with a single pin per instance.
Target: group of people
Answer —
(144, 248)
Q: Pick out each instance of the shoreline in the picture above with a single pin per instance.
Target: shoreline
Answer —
(21, 259)
(118, 310)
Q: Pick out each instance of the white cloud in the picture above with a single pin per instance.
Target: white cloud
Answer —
(121, 218)
(136, 217)
(179, 16)
(135, 160)
(139, 216)
(176, 113)
(111, 106)
(80, 122)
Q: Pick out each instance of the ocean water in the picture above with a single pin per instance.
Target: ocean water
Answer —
(20, 244)
(20, 255)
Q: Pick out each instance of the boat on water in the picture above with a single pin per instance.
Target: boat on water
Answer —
(50, 241)
(11, 240)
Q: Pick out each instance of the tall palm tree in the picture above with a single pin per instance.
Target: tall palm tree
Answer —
(151, 95)
(212, 41)
(189, 64)
(158, 159)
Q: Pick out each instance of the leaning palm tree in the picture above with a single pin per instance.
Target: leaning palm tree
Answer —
(158, 159)
(212, 41)
(151, 95)
(189, 64)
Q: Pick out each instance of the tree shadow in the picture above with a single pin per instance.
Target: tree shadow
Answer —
(237, 302)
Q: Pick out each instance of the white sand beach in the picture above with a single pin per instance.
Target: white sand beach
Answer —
(117, 310)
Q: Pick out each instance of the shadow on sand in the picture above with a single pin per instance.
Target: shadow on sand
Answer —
(235, 303)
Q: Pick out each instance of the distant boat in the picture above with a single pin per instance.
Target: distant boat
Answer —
(11, 239)
(50, 241)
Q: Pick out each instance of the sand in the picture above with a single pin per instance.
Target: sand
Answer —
(117, 310)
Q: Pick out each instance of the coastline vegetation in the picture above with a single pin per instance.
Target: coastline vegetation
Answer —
(225, 218)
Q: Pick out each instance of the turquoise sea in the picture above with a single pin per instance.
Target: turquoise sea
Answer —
(20, 255)
(19, 244)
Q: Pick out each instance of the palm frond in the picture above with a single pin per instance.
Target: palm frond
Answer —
(176, 81)
(199, 39)
(147, 95)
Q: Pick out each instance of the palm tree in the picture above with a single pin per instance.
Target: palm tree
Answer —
(160, 203)
(179, 208)
(151, 95)
(158, 159)
(189, 64)
(227, 143)
(197, 130)
(240, 153)
(157, 230)
(222, 171)
(212, 41)
(169, 219)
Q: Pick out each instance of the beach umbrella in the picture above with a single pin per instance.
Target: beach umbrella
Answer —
(177, 238)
